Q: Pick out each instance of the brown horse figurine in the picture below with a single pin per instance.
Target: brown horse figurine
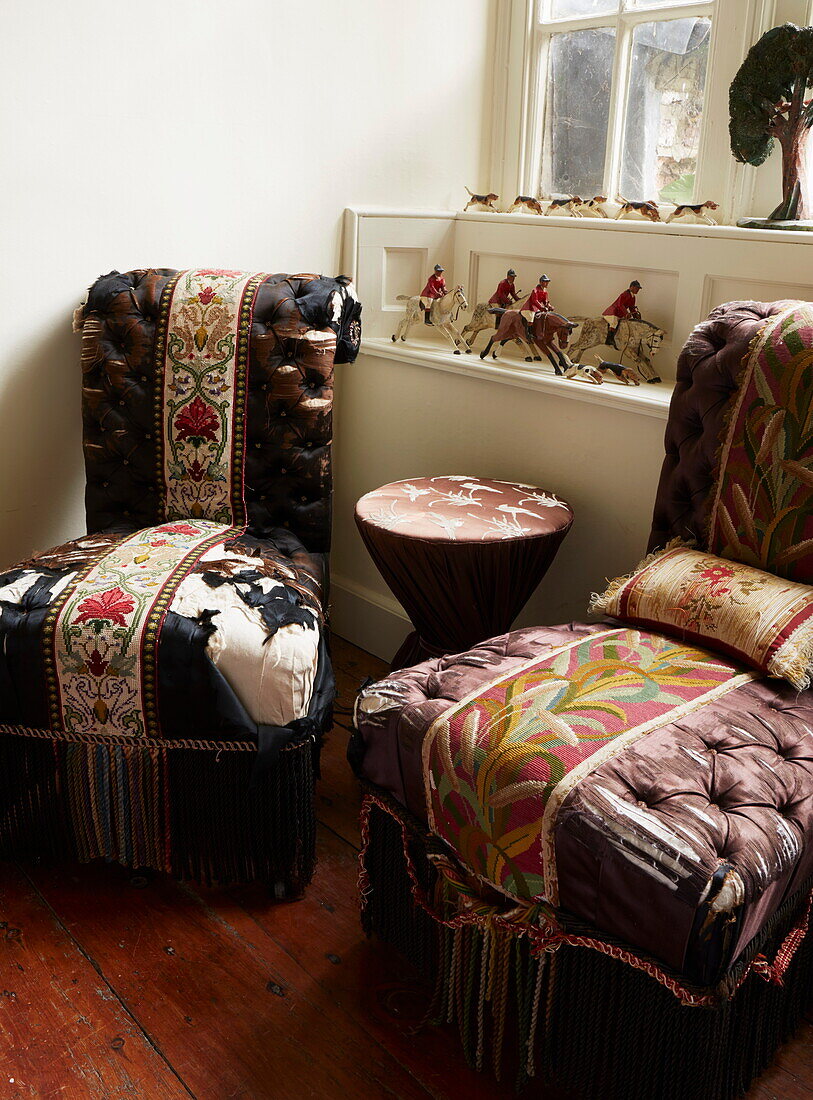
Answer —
(546, 330)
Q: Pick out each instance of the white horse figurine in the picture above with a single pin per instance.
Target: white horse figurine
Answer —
(442, 313)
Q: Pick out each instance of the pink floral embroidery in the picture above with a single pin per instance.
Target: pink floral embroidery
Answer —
(111, 606)
(198, 421)
(180, 529)
(204, 271)
(206, 295)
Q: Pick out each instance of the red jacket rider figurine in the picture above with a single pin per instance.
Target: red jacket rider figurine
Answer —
(505, 295)
(435, 288)
(624, 306)
(537, 300)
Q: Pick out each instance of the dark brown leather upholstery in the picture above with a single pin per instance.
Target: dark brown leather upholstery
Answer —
(289, 418)
(707, 373)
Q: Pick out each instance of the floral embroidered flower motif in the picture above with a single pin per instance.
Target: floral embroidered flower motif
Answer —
(110, 606)
(196, 422)
(717, 573)
(180, 529)
(413, 492)
(206, 295)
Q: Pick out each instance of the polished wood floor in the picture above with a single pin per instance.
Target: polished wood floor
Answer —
(111, 987)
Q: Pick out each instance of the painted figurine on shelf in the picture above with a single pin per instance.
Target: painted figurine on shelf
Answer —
(548, 334)
(570, 205)
(505, 295)
(443, 311)
(647, 209)
(624, 307)
(594, 208)
(435, 288)
(536, 302)
(527, 203)
(626, 375)
(485, 201)
(699, 210)
(631, 336)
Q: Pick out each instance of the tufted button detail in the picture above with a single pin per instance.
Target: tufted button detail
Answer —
(283, 470)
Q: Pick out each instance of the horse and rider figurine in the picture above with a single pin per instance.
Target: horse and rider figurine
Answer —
(537, 327)
(440, 307)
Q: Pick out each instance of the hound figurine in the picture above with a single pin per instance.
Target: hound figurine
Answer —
(594, 207)
(486, 201)
(570, 205)
(624, 374)
(648, 209)
(700, 210)
(528, 203)
(583, 372)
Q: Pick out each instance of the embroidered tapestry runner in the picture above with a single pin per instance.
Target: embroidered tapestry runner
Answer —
(499, 764)
(102, 633)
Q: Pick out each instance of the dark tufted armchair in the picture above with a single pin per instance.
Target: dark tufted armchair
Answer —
(239, 678)
(643, 929)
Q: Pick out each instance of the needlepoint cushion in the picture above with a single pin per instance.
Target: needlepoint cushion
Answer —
(754, 616)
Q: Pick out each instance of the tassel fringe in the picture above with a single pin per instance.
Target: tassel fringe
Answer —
(186, 811)
(590, 1020)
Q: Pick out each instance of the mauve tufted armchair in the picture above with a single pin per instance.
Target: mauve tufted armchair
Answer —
(675, 957)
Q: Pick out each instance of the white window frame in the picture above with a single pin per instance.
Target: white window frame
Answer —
(516, 139)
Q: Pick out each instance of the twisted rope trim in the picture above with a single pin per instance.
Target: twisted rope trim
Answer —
(122, 741)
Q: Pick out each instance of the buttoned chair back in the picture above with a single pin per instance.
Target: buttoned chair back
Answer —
(288, 474)
(737, 477)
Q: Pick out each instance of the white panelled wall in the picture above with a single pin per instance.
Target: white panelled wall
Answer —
(185, 133)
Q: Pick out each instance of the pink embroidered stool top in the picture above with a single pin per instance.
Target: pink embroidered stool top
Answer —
(461, 554)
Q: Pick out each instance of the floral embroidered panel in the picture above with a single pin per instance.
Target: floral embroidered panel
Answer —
(762, 510)
(202, 345)
(499, 763)
(101, 635)
(758, 618)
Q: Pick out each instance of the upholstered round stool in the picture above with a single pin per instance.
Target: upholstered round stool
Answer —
(461, 554)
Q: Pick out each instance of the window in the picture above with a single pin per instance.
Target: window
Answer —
(620, 101)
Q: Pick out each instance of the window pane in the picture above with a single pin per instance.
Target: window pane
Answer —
(638, 4)
(563, 9)
(664, 110)
(578, 103)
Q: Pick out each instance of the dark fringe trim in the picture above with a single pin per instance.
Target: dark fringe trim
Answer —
(586, 1019)
(192, 813)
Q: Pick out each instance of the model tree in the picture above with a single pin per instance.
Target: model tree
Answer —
(767, 102)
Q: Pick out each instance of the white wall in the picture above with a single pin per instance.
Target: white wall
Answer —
(189, 132)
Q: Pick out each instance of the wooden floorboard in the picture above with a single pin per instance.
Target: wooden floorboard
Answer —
(63, 1031)
(161, 991)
